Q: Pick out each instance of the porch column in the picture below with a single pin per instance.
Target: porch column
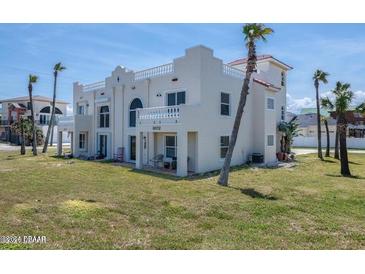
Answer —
(182, 153)
(72, 143)
(139, 150)
(59, 143)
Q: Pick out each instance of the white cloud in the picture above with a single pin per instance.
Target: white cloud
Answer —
(69, 110)
(296, 104)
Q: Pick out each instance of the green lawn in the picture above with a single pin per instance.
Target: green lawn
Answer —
(94, 205)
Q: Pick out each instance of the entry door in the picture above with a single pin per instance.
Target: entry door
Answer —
(132, 148)
(103, 142)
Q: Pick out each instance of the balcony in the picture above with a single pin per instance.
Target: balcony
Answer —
(98, 86)
(233, 72)
(159, 115)
(154, 72)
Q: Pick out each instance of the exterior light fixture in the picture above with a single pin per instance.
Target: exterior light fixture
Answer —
(174, 79)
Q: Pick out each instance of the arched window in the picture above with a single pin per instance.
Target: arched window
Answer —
(136, 103)
(48, 110)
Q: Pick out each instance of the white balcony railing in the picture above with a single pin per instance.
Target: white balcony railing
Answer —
(159, 115)
(154, 72)
(230, 71)
(94, 87)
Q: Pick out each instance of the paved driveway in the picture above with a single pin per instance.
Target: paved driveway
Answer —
(8, 147)
(308, 150)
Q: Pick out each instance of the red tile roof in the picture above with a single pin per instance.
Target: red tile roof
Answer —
(259, 58)
(266, 84)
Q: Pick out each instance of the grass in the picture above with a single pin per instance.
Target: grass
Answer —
(95, 205)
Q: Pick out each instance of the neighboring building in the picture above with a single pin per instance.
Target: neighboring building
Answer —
(308, 129)
(181, 113)
(13, 108)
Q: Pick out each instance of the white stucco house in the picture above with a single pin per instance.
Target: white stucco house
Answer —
(181, 113)
(13, 108)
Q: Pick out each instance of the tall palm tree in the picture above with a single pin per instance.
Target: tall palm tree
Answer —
(325, 121)
(253, 33)
(319, 76)
(22, 144)
(57, 68)
(32, 80)
(343, 98)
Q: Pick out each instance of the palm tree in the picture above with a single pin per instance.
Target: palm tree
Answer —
(327, 103)
(22, 144)
(343, 98)
(57, 68)
(32, 80)
(325, 121)
(319, 76)
(253, 33)
(289, 130)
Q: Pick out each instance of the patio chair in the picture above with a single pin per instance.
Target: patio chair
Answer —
(157, 159)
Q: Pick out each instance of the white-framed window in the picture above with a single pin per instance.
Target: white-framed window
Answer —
(283, 79)
(170, 146)
(176, 98)
(224, 143)
(81, 110)
(270, 140)
(270, 103)
(282, 113)
(225, 104)
(135, 104)
(104, 117)
(44, 119)
(83, 141)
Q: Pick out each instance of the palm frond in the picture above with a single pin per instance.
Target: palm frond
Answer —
(59, 67)
(327, 103)
(33, 78)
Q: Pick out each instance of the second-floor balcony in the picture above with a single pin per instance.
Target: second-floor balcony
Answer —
(159, 115)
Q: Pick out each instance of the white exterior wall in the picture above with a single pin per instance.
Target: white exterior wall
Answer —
(201, 76)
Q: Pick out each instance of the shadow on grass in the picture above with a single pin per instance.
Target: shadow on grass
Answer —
(340, 176)
(326, 160)
(255, 194)
(354, 163)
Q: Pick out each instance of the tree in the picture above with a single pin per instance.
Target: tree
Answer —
(289, 130)
(325, 121)
(343, 98)
(57, 68)
(253, 33)
(22, 144)
(32, 80)
(319, 76)
(24, 128)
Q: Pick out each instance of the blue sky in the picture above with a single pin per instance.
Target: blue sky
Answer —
(91, 51)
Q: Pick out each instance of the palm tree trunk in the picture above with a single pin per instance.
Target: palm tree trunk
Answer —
(251, 65)
(328, 138)
(51, 121)
(34, 141)
(22, 148)
(345, 170)
(320, 156)
(337, 154)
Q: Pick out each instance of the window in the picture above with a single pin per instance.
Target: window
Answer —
(282, 78)
(282, 113)
(104, 117)
(176, 98)
(170, 146)
(136, 103)
(81, 110)
(82, 141)
(225, 105)
(44, 119)
(28, 106)
(270, 103)
(224, 146)
(270, 140)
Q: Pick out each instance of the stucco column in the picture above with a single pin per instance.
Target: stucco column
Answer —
(182, 153)
(72, 143)
(139, 150)
(59, 143)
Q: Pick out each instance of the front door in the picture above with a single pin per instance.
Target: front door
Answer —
(132, 148)
(103, 145)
